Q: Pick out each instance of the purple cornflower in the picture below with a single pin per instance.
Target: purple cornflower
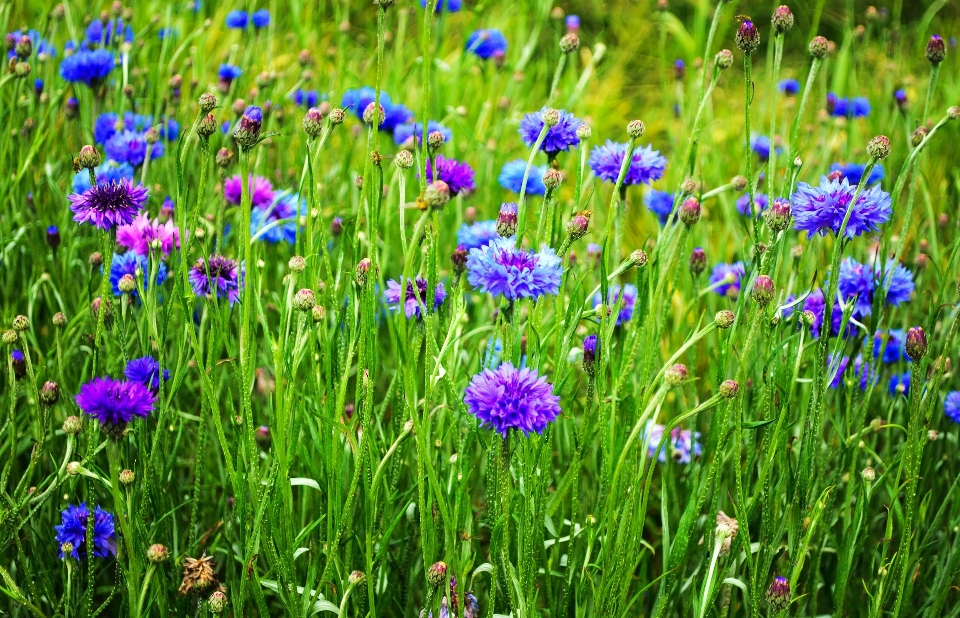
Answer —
(760, 203)
(139, 234)
(572, 22)
(951, 406)
(817, 210)
(261, 191)
(836, 367)
(73, 530)
(725, 279)
(237, 20)
(457, 175)
(306, 98)
(19, 362)
(562, 136)
(260, 18)
(90, 66)
(646, 165)
(900, 384)
(226, 278)
(659, 203)
(128, 264)
(107, 172)
(416, 293)
(508, 398)
(613, 296)
(853, 172)
(100, 34)
(108, 205)
(511, 177)
(478, 235)
(760, 144)
(682, 443)
(451, 6)
(114, 403)
(278, 221)
(407, 130)
(503, 269)
(487, 43)
(358, 99)
(789, 87)
(146, 371)
(814, 303)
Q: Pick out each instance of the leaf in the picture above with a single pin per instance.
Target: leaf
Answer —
(758, 424)
(305, 481)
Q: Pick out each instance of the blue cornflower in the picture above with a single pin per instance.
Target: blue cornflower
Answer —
(104, 35)
(853, 172)
(511, 177)
(451, 6)
(457, 174)
(951, 406)
(895, 341)
(413, 296)
(760, 144)
(659, 203)
(818, 210)
(170, 130)
(228, 72)
(682, 444)
(866, 373)
(146, 371)
(836, 367)
(572, 22)
(487, 43)
(114, 403)
(503, 269)
(131, 147)
(900, 384)
(789, 87)
(760, 203)
(107, 172)
(478, 235)
(90, 66)
(104, 127)
(260, 18)
(128, 264)
(222, 276)
(613, 296)
(725, 279)
(646, 165)
(358, 99)
(561, 136)
(40, 45)
(858, 107)
(73, 531)
(508, 398)
(237, 20)
(278, 221)
(857, 280)
(306, 98)
(815, 303)
(406, 131)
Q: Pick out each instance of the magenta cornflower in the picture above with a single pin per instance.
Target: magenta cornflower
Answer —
(142, 232)
(457, 174)
(261, 191)
(115, 403)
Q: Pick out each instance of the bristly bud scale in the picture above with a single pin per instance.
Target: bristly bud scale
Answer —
(782, 19)
(304, 300)
(819, 46)
(698, 261)
(778, 215)
(724, 318)
(578, 225)
(690, 211)
(507, 220)
(49, 393)
(584, 132)
(552, 178)
(437, 573)
(207, 102)
(638, 257)
(936, 50)
(550, 117)
(88, 158)
(313, 123)
(403, 159)
(437, 194)
(636, 129)
(879, 147)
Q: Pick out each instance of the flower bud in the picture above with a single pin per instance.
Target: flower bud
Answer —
(403, 160)
(584, 132)
(916, 344)
(638, 257)
(9, 337)
(363, 268)
(459, 260)
(936, 50)
(869, 475)
(313, 123)
(636, 129)
(763, 290)
(88, 158)
(217, 602)
(336, 226)
(208, 102)
(435, 139)
(49, 393)
(725, 531)
(698, 261)
(569, 43)
(157, 553)
(72, 425)
(21, 69)
(247, 133)
(224, 158)
(437, 194)
(748, 37)
(21, 323)
(778, 215)
(690, 211)
(724, 59)
(782, 19)
(724, 318)
(577, 227)
(319, 314)
(24, 47)
(590, 355)
(337, 116)
(953, 113)
(918, 135)
(356, 578)
(778, 594)
(207, 126)
(437, 573)
(552, 178)
(550, 117)
(507, 220)
(127, 477)
(151, 135)
(127, 284)
(73, 468)
(819, 46)
(729, 389)
(675, 374)
(297, 264)
(879, 147)
(304, 300)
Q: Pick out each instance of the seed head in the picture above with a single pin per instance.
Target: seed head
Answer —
(690, 211)
(763, 290)
(724, 318)
(782, 19)
(729, 389)
(916, 344)
(819, 46)
(879, 147)
(636, 128)
(748, 37)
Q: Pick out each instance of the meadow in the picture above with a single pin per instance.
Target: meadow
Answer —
(475, 308)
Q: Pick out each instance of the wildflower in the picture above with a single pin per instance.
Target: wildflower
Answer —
(507, 219)
(157, 553)
(561, 135)
(646, 165)
(450, 6)
(778, 217)
(858, 107)
(407, 130)
(760, 202)
(729, 277)
(659, 203)
(675, 374)
(613, 296)
(72, 532)
(477, 235)
(789, 87)
(114, 403)
(589, 354)
(682, 443)
(394, 114)
(131, 147)
(763, 290)
(900, 384)
(128, 264)
(457, 175)
(227, 73)
(760, 144)
(511, 177)
(951, 406)
(509, 398)
(278, 221)
(698, 261)
(261, 191)
(894, 350)
(142, 232)
(414, 295)
(936, 50)
(49, 393)
(815, 305)
(19, 362)
(487, 43)
(146, 370)
(836, 367)
(225, 278)
(260, 18)
(108, 205)
(817, 210)
(853, 172)
(503, 269)
(778, 594)
(199, 575)
(103, 34)
(88, 66)
(247, 131)
(237, 20)
(857, 280)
